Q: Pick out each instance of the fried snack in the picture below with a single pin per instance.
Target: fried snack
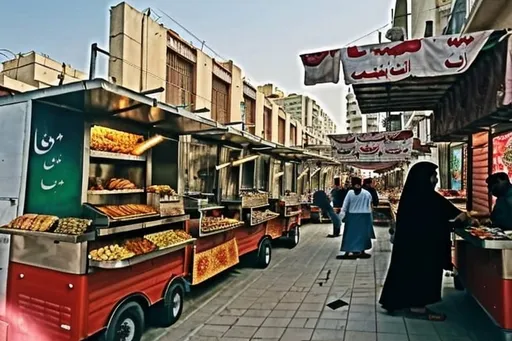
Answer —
(110, 253)
(162, 190)
(119, 211)
(117, 184)
(28, 221)
(43, 223)
(210, 224)
(168, 238)
(140, 246)
(74, 226)
(110, 140)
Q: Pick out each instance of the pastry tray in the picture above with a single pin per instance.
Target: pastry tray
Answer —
(205, 233)
(142, 258)
(61, 237)
(264, 220)
(494, 244)
(292, 214)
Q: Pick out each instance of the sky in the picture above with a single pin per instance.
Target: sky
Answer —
(263, 37)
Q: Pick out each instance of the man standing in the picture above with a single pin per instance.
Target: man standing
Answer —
(321, 200)
(368, 185)
(338, 194)
(499, 186)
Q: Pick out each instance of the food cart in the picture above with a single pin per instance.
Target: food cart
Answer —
(465, 80)
(101, 242)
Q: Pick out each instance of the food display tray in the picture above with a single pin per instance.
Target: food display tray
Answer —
(257, 206)
(100, 218)
(116, 156)
(484, 243)
(106, 231)
(115, 191)
(204, 234)
(142, 258)
(61, 237)
(264, 220)
(292, 214)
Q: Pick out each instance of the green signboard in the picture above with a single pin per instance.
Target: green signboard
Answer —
(54, 179)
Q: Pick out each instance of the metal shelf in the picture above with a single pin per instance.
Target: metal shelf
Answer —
(264, 220)
(107, 231)
(61, 237)
(483, 243)
(205, 234)
(116, 156)
(257, 206)
(115, 191)
(142, 258)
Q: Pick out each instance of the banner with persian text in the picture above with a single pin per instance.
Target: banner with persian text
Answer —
(425, 57)
(373, 147)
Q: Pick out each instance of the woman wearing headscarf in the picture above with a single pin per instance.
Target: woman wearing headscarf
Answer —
(422, 246)
(357, 214)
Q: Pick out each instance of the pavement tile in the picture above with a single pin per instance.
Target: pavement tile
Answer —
(415, 327)
(362, 326)
(250, 321)
(287, 306)
(312, 306)
(232, 312)
(331, 324)
(223, 320)
(353, 316)
(360, 336)
(263, 305)
(243, 332)
(424, 338)
(269, 333)
(392, 337)
(361, 308)
(297, 334)
(307, 314)
(282, 313)
(327, 334)
(214, 331)
(450, 329)
(257, 312)
(391, 327)
(277, 322)
(334, 314)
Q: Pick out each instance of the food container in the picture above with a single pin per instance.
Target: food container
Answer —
(254, 199)
(167, 206)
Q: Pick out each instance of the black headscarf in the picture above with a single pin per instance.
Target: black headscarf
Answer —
(356, 181)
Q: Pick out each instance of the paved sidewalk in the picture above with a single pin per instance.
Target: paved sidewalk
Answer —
(287, 301)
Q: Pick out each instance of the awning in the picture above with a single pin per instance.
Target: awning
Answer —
(411, 75)
(235, 138)
(101, 99)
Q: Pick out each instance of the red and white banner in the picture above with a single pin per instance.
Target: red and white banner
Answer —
(321, 67)
(425, 57)
(373, 147)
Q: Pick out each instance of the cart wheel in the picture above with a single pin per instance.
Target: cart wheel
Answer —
(127, 324)
(166, 312)
(264, 255)
(315, 218)
(294, 237)
(458, 283)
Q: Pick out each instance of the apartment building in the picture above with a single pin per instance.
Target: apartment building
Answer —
(146, 55)
(31, 71)
(479, 15)
(315, 120)
(358, 123)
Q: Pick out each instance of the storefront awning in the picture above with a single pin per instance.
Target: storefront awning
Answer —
(101, 99)
(235, 138)
(411, 75)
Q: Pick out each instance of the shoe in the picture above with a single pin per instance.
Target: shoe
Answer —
(346, 256)
(333, 235)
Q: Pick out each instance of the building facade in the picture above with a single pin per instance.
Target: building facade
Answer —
(145, 55)
(316, 122)
(358, 123)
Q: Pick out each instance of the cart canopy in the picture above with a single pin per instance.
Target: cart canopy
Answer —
(103, 99)
(233, 137)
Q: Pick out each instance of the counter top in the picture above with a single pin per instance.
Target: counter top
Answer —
(482, 243)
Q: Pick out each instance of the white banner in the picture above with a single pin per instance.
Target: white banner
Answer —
(425, 57)
(321, 67)
(373, 147)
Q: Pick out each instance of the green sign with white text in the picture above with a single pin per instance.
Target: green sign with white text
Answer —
(54, 179)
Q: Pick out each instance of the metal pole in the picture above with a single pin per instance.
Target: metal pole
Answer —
(94, 57)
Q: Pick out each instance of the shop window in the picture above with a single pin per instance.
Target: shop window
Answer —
(220, 101)
(248, 175)
(281, 130)
(250, 114)
(180, 81)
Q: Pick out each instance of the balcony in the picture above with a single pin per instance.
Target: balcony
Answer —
(486, 15)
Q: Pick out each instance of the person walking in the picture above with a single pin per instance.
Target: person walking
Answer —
(357, 214)
(421, 247)
(321, 199)
(338, 194)
(368, 185)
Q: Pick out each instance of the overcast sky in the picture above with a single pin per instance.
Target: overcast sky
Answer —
(264, 37)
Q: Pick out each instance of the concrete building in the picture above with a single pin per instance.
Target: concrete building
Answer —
(358, 123)
(416, 15)
(315, 120)
(481, 15)
(146, 55)
(32, 71)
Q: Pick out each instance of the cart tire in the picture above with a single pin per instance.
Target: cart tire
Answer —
(127, 323)
(264, 254)
(294, 237)
(458, 283)
(166, 312)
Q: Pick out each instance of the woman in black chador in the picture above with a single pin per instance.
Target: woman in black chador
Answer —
(422, 246)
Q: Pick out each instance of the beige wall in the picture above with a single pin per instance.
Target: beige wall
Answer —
(236, 93)
(260, 105)
(39, 71)
(275, 123)
(204, 78)
(138, 47)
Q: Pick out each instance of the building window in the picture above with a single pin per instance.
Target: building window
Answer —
(281, 131)
(220, 101)
(250, 114)
(180, 81)
(267, 124)
(293, 135)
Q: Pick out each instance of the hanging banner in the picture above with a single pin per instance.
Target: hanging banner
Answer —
(321, 67)
(373, 147)
(425, 57)
(502, 154)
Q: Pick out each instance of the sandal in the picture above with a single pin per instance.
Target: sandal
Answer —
(346, 256)
(428, 315)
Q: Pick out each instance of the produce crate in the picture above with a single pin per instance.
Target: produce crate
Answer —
(167, 206)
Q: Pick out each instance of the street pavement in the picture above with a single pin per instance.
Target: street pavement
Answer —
(288, 301)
